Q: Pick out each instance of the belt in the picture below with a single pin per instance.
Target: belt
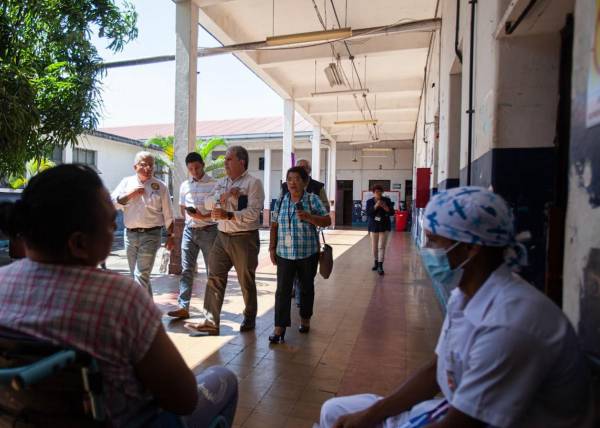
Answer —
(143, 229)
(245, 232)
(202, 227)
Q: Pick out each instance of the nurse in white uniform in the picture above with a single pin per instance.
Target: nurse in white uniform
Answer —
(506, 357)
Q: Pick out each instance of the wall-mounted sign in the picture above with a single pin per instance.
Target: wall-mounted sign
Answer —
(593, 88)
(396, 186)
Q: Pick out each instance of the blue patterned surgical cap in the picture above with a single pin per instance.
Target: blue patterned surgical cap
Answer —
(477, 216)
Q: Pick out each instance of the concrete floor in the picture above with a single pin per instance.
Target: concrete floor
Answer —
(368, 332)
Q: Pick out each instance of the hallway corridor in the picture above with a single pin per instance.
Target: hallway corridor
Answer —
(368, 333)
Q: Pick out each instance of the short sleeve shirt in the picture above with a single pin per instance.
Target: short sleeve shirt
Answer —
(101, 313)
(192, 193)
(296, 239)
(152, 209)
(510, 358)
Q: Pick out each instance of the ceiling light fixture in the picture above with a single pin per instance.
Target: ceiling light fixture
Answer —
(343, 92)
(357, 143)
(334, 77)
(356, 122)
(313, 36)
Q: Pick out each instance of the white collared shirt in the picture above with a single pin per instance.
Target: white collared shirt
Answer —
(151, 209)
(246, 218)
(192, 193)
(510, 358)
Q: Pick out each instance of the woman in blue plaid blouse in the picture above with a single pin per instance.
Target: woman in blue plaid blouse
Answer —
(294, 249)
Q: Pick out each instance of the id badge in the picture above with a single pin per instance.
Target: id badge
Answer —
(287, 241)
(377, 218)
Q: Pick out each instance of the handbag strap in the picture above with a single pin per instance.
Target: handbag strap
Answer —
(317, 229)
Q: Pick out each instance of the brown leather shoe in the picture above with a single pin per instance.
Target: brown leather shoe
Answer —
(203, 327)
(181, 313)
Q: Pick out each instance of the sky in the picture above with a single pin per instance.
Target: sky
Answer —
(145, 94)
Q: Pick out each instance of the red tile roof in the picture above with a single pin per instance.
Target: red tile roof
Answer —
(210, 128)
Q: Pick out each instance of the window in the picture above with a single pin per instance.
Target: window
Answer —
(261, 164)
(86, 157)
(383, 183)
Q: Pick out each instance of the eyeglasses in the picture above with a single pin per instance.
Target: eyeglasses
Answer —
(145, 165)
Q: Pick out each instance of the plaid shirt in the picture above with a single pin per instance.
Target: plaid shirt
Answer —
(101, 313)
(302, 236)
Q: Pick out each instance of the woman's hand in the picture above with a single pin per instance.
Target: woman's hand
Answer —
(272, 252)
(304, 216)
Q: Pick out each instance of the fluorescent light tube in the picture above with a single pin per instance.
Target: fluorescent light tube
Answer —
(356, 122)
(342, 92)
(313, 36)
(356, 143)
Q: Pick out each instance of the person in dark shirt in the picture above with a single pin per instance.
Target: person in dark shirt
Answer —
(379, 211)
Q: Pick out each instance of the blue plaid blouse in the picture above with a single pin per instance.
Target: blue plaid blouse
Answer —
(301, 237)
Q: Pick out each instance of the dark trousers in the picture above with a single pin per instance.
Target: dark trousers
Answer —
(287, 269)
(241, 252)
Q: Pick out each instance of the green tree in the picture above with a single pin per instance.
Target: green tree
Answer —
(32, 167)
(50, 72)
(204, 147)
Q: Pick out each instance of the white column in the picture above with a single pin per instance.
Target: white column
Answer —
(267, 186)
(267, 178)
(331, 168)
(186, 65)
(316, 153)
(68, 156)
(288, 136)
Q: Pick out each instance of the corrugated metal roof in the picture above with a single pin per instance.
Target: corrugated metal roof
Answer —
(210, 128)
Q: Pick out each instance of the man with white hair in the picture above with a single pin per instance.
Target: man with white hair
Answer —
(146, 205)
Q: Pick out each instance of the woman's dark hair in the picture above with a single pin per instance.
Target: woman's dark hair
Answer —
(56, 202)
(377, 187)
(298, 170)
(193, 157)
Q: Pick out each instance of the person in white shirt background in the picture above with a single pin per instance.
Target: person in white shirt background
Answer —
(200, 231)
(506, 356)
(236, 203)
(146, 205)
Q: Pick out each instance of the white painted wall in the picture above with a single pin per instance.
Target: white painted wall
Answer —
(114, 159)
(515, 89)
(583, 219)
(396, 168)
(448, 155)
(527, 91)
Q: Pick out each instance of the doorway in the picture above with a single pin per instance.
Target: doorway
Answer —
(344, 193)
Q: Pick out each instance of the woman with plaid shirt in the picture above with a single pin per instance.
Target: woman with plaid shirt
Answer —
(294, 249)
